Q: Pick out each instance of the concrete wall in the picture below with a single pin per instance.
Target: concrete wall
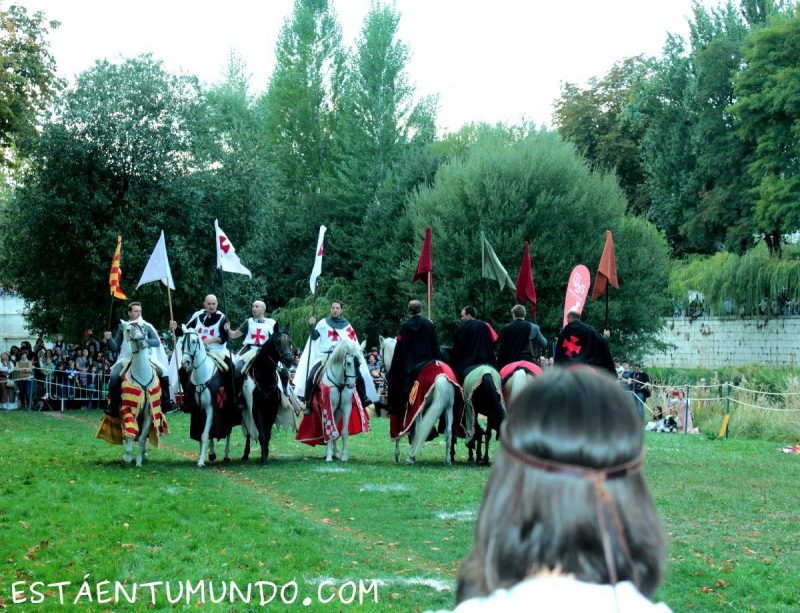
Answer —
(712, 342)
(12, 323)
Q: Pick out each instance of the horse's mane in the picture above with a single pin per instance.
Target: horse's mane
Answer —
(341, 350)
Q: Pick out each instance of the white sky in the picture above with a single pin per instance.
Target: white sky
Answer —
(489, 60)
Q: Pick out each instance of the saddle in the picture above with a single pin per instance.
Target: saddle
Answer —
(219, 360)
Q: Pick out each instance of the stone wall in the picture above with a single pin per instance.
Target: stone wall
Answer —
(713, 342)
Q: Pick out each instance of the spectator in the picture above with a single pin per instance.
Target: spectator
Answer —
(8, 395)
(72, 379)
(24, 380)
(641, 387)
(48, 367)
(567, 521)
(13, 354)
(59, 343)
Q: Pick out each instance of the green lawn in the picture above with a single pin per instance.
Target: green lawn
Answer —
(68, 509)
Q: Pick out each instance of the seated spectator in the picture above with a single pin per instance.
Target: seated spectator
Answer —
(567, 522)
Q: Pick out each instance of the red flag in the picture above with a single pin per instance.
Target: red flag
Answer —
(607, 270)
(116, 273)
(425, 265)
(525, 288)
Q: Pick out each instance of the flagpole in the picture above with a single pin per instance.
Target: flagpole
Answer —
(606, 307)
(110, 311)
(430, 292)
(171, 318)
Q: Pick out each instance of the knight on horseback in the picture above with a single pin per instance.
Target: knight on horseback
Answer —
(325, 335)
(416, 346)
(256, 330)
(210, 324)
(121, 345)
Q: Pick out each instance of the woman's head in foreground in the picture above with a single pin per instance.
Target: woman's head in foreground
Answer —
(567, 494)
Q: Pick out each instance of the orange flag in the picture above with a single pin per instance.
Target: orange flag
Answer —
(116, 273)
(607, 270)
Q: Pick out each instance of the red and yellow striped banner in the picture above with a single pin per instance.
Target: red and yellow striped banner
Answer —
(116, 273)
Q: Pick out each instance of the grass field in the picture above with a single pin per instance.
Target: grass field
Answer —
(67, 509)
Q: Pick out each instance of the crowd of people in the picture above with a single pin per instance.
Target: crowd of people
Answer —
(48, 374)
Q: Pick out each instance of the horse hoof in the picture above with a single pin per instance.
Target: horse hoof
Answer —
(410, 461)
(264, 461)
(226, 460)
(396, 460)
(329, 460)
(201, 466)
(212, 457)
(126, 463)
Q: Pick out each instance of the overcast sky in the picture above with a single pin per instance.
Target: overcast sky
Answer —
(488, 60)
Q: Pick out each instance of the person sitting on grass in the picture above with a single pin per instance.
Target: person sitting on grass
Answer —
(567, 522)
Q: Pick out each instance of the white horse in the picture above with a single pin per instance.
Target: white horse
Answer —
(202, 369)
(142, 374)
(518, 381)
(440, 399)
(339, 373)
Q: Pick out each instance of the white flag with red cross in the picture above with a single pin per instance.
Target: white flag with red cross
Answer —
(317, 270)
(227, 259)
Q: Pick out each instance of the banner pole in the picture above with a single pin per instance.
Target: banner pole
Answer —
(430, 292)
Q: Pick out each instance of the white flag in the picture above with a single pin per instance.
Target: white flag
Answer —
(227, 259)
(317, 270)
(157, 268)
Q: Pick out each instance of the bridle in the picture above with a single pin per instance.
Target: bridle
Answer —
(283, 349)
(349, 377)
(137, 344)
(188, 336)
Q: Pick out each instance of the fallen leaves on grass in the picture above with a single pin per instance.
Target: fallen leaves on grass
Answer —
(31, 553)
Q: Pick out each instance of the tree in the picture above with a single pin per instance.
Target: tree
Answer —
(596, 120)
(117, 160)
(378, 127)
(298, 112)
(28, 80)
(768, 113)
(517, 185)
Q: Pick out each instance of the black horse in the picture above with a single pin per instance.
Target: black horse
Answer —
(487, 401)
(265, 383)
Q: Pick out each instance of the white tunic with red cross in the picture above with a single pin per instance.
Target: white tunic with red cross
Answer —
(258, 331)
(329, 337)
(212, 331)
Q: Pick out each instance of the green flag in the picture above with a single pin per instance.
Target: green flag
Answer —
(491, 268)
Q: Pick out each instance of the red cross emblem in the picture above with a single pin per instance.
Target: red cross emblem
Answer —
(223, 244)
(333, 334)
(206, 333)
(258, 337)
(351, 333)
(571, 346)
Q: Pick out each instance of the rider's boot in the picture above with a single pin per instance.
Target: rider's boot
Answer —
(114, 400)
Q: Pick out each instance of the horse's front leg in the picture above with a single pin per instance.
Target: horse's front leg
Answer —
(227, 457)
(397, 451)
(348, 405)
(147, 422)
(201, 462)
(126, 458)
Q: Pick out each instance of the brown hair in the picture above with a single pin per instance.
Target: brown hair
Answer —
(585, 517)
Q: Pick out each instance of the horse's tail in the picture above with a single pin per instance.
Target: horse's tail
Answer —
(495, 411)
(517, 382)
(440, 399)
